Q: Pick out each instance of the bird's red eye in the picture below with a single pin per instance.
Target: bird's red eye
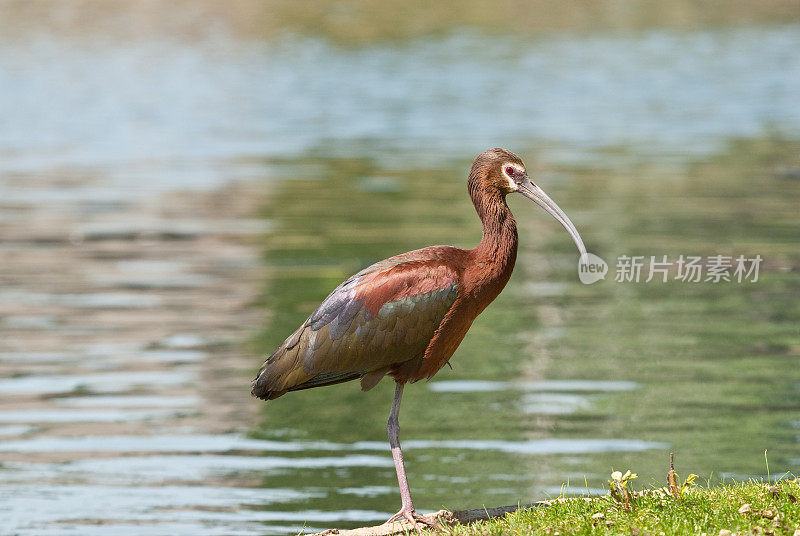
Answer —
(509, 170)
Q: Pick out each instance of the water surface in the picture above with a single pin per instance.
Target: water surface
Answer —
(656, 140)
(560, 389)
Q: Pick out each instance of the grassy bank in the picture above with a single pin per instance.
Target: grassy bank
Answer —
(738, 508)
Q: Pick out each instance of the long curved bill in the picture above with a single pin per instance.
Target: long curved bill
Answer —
(537, 195)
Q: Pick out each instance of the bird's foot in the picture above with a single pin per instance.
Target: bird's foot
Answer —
(410, 515)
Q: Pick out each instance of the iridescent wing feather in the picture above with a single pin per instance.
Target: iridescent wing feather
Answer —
(379, 318)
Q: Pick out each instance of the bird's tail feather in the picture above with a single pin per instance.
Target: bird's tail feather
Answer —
(262, 391)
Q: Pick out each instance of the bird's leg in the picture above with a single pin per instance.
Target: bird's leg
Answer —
(393, 428)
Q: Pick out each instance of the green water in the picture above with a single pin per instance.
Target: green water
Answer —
(665, 128)
(714, 364)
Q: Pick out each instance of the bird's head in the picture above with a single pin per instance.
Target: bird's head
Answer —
(499, 172)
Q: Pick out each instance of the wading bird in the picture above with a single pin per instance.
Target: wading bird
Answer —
(406, 315)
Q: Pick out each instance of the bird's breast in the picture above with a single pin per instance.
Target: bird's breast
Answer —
(484, 279)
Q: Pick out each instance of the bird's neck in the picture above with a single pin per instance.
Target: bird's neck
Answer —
(497, 251)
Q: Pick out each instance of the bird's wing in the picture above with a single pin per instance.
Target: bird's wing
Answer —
(383, 315)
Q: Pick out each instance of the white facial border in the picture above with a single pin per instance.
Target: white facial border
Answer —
(511, 183)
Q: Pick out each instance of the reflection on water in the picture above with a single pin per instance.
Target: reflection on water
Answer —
(468, 386)
(97, 383)
(145, 505)
(612, 376)
(157, 469)
(220, 107)
(656, 142)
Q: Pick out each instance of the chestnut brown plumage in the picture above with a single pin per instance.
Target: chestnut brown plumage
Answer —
(406, 315)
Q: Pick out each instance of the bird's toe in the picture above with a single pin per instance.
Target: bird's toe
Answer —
(415, 519)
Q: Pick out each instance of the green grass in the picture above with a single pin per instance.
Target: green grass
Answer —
(772, 509)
